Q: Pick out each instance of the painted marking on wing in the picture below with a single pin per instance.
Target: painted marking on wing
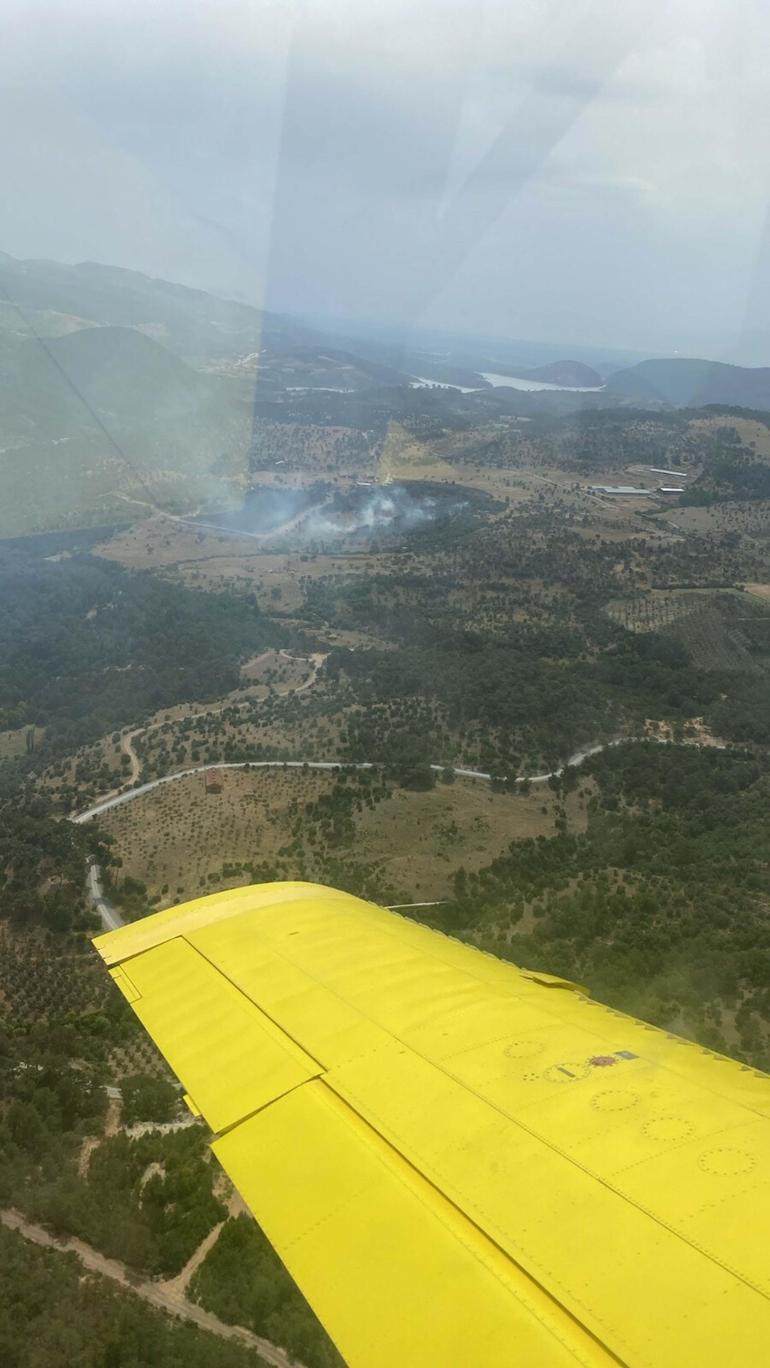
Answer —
(574, 1071)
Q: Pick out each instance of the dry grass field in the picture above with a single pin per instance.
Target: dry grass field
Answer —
(15, 741)
(760, 591)
(158, 541)
(183, 842)
(709, 623)
(274, 667)
(178, 836)
(751, 518)
(752, 433)
(420, 839)
(276, 577)
(660, 608)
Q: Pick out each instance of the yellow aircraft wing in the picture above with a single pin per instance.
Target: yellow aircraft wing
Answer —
(460, 1162)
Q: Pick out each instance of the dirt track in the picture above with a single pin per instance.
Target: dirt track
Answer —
(165, 1296)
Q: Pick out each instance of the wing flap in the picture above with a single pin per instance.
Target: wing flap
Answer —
(226, 1052)
(389, 1264)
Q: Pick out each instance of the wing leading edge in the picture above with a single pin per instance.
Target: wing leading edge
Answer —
(458, 1161)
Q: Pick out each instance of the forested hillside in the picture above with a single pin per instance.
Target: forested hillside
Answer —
(661, 907)
(86, 647)
(687, 382)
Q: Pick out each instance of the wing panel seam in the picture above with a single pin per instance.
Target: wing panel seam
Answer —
(555, 1149)
(440, 1199)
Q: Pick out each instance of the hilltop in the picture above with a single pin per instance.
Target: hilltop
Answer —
(53, 298)
(692, 382)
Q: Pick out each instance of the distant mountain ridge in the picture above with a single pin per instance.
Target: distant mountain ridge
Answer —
(213, 334)
(690, 382)
(58, 298)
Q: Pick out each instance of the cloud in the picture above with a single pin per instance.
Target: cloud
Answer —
(564, 170)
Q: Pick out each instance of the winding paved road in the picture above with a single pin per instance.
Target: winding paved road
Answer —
(111, 918)
(127, 795)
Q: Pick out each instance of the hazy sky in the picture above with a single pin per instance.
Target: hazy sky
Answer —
(591, 170)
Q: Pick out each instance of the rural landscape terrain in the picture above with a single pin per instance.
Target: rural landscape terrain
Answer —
(481, 635)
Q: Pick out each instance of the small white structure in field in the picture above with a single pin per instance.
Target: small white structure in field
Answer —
(620, 490)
